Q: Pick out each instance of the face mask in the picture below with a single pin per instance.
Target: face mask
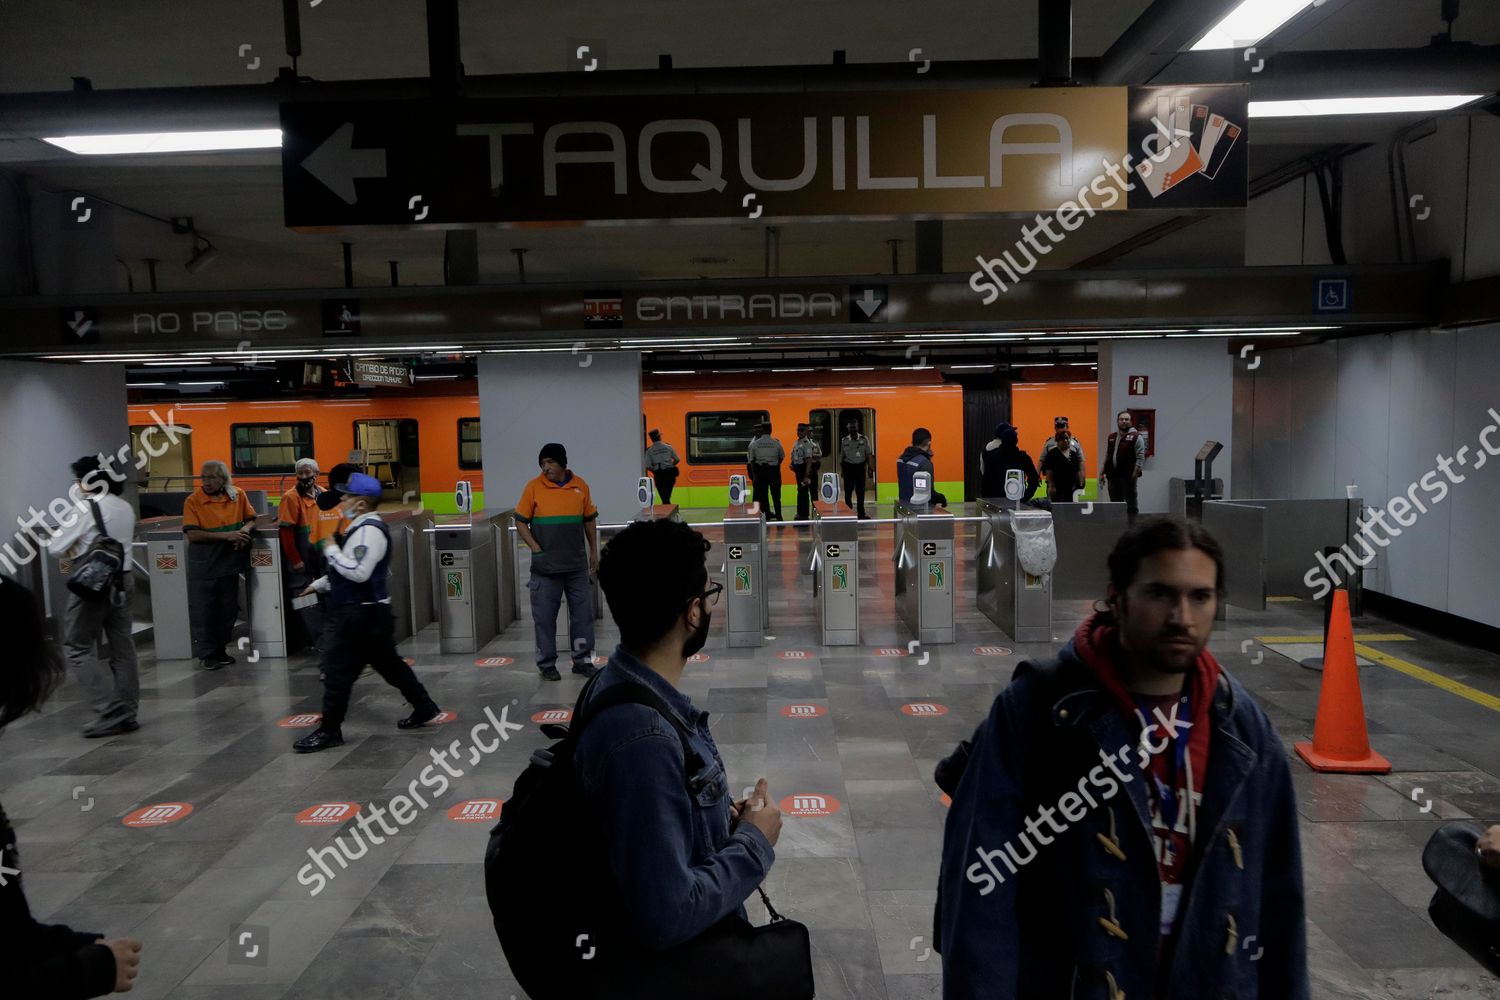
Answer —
(306, 486)
(699, 638)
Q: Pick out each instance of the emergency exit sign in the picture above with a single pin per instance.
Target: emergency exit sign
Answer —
(1138, 385)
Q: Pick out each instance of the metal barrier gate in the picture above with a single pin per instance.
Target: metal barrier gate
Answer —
(465, 578)
(1021, 604)
(167, 562)
(747, 615)
(924, 571)
(835, 572)
(265, 591)
(410, 582)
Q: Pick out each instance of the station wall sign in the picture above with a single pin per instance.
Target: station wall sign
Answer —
(696, 157)
(379, 373)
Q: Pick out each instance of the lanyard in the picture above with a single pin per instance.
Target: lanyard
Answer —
(1170, 806)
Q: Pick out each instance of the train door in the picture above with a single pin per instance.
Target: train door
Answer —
(391, 453)
(829, 429)
(166, 470)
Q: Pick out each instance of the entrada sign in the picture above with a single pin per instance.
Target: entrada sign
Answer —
(725, 156)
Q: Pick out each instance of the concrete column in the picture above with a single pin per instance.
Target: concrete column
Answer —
(588, 403)
(52, 415)
(1189, 383)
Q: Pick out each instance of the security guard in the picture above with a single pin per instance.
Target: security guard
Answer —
(807, 460)
(662, 461)
(765, 456)
(360, 625)
(1124, 458)
(854, 457)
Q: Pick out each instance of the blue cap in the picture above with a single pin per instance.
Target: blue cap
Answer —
(360, 485)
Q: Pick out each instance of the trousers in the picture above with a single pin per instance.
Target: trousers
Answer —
(547, 592)
(1124, 487)
(854, 485)
(768, 490)
(357, 634)
(212, 606)
(113, 686)
(666, 479)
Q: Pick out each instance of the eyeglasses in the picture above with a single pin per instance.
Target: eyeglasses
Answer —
(710, 597)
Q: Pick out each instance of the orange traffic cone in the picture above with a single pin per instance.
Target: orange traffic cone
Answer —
(1341, 742)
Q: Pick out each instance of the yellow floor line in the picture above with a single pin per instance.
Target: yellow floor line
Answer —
(1435, 679)
(1359, 636)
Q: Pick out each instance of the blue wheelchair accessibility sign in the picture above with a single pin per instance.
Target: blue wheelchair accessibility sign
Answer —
(1333, 295)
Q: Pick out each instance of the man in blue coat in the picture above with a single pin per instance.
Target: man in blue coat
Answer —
(1123, 823)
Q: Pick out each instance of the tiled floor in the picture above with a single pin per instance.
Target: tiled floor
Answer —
(216, 897)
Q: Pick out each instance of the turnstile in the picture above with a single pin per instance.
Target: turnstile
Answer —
(836, 573)
(924, 571)
(747, 612)
(167, 562)
(507, 570)
(1021, 604)
(410, 582)
(265, 592)
(464, 575)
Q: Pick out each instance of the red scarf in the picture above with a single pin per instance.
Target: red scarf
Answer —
(1096, 642)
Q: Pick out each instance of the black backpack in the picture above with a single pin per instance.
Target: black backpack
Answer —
(558, 917)
(99, 573)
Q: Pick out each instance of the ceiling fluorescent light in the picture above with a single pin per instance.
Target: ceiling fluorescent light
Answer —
(1329, 106)
(964, 367)
(200, 383)
(862, 368)
(143, 385)
(123, 144)
(675, 371)
(1248, 23)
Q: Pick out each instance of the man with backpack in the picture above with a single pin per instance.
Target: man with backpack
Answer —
(114, 689)
(629, 822)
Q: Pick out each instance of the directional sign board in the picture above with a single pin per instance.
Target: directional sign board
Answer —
(695, 156)
(867, 303)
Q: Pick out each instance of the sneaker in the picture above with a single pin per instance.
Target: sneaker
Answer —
(549, 673)
(318, 740)
(585, 669)
(210, 663)
(419, 717)
(101, 728)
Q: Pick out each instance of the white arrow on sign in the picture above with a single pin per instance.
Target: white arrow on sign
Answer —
(79, 324)
(4, 871)
(337, 163)
(869, 302)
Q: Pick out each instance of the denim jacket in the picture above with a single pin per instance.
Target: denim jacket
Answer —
(678, 867)
(1040, 934)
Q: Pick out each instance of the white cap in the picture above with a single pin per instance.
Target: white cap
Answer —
(306, 463)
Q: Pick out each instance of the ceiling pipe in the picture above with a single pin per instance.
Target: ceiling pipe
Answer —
(1153, 40)
(443, 55)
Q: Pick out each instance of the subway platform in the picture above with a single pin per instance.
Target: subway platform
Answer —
(222, 897)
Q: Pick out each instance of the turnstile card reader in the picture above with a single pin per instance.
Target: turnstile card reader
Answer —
(828, 489)
(836, 573)
(924, 571)
(465, 578)
(747, 612)
(265, 592)
(167, 562)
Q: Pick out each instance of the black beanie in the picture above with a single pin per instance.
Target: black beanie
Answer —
(554, 451)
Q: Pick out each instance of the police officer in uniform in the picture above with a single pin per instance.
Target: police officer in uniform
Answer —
(1124, 457)
(359, 628)
(662, 461)
(807, 461)
(765, 456)
(854, 457)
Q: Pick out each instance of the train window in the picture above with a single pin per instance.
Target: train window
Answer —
(721, 438)
(822, 432)
(269, 448)
(169, 463)
(469, 456)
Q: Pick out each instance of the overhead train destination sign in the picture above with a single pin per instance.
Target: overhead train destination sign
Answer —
(727, 157)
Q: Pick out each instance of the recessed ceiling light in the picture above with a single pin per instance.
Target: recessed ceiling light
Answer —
(1248, 23)
(1396, 104)
(168, 142)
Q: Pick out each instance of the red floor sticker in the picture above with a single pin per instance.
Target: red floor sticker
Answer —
(803, 711)
(924, 709)
(158, 815)
(443, 717)
(890, 651)
(792, 654)
(553, 715)
(991, 650)
(494, 661)
(808, 804)
(304, 721)
(946, 800)
(476, 811)
(409, 661)
(698, 658)
(328, 813)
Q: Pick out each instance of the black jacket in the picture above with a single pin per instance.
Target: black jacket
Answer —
(995, 461)
(45, 960)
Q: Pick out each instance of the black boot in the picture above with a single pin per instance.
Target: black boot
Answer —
(420, 716)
